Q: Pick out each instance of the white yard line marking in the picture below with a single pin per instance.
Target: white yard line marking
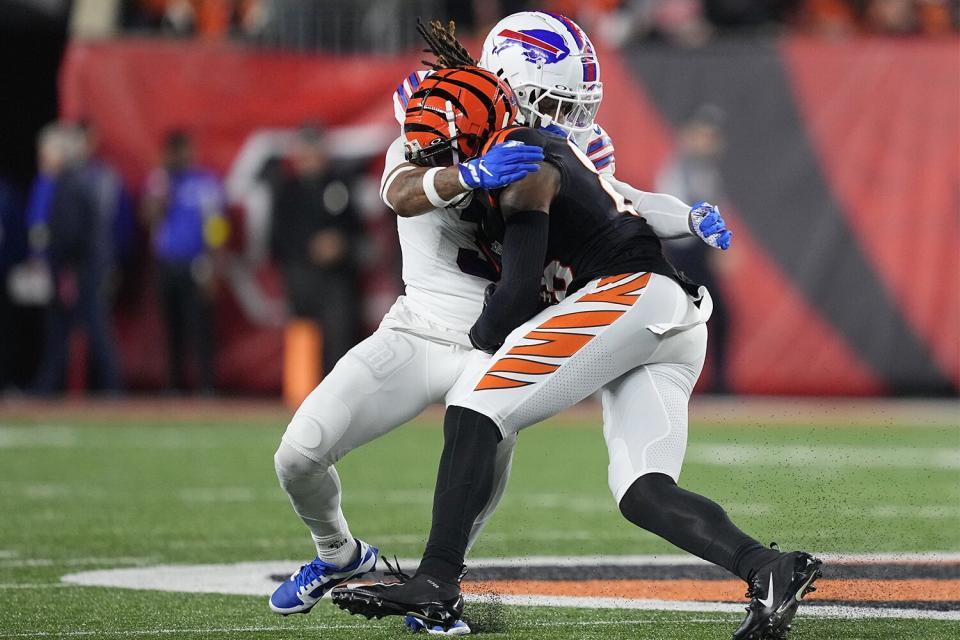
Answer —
(6, 586)
(37, 436)
(217, 495)
(253, 578)
(721, 607)
(685, 559)
(835, 455)
(19, 563)
(928, 512)
(334, 627)
(48, 490)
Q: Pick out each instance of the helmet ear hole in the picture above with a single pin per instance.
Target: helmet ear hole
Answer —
(469, 144)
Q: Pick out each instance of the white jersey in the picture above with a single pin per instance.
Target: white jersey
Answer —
(439, 244)
(434, 246)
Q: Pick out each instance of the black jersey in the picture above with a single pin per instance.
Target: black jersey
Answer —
(593, 232)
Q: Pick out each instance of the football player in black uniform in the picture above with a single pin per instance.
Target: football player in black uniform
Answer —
(586, 301)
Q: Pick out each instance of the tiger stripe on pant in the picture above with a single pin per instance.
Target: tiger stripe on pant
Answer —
(635, 335)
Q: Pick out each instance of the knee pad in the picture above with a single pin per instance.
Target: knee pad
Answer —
(317, 427)
(291, 465)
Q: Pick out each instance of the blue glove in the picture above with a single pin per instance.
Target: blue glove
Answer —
(706, 222)
(504, 163)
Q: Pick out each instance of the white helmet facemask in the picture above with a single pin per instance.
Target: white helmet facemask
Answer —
(551, 66)
(571, 111)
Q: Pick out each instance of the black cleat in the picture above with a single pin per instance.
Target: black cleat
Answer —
(775, 593)
(422, 596)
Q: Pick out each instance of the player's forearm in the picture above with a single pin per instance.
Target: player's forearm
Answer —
(406, 191)
(517, 297)
(668, 216)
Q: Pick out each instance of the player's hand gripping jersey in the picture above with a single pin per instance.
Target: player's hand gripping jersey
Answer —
(593, 232)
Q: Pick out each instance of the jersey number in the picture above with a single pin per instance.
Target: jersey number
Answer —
(556, 279)
(471, 261)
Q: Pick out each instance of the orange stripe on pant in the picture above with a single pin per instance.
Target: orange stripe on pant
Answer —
(522, 365)
(582, 320)
(556, 344)
(553, 345)
(611, 279)
(625, 294)
(490, 381)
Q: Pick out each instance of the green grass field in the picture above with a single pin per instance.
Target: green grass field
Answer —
(79, 495)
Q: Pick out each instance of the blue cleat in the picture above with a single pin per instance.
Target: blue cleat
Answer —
(304, 588)
(459, 628)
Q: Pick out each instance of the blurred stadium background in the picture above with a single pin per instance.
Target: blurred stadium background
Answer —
(827, 130)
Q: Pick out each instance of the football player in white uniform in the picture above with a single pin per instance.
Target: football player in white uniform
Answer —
(420, 348)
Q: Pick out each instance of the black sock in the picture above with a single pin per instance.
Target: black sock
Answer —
(464, 485)
(694, 523)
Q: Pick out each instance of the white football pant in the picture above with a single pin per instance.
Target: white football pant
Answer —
(639, 337)
(382, 383)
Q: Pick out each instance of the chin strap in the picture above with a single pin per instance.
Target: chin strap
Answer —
(452, 129)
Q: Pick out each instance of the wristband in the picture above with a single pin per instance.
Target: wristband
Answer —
(430, 189)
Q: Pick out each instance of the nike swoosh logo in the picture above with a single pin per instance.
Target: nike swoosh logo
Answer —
(768, 601)
(800, 593)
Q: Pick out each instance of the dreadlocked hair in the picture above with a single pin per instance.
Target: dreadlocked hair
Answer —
(442, 43)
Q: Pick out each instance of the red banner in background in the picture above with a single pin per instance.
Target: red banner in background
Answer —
(886, 127)
(137, 90)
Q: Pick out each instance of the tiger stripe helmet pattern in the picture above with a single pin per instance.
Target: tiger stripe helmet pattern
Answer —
(453, 112)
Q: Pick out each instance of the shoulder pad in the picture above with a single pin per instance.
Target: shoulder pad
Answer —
(600, 150)
(523, 134)
(405, 89)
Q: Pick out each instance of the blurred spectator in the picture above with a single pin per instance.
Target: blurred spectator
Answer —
(831, 18)
(207, 18)
(52, 151)
(679, 22)
(78, 246)
(315, 236)
(184, 205)
(110, 191)
(12, 250)
(892, 16)
(733, 14)
(693, 176)
(938, 17)
(889, 17)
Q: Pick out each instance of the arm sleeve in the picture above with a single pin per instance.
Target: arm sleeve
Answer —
(669, 217)
(517, 297)
(394, 164)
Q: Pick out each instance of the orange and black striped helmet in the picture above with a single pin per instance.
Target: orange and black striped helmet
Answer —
(452, 112)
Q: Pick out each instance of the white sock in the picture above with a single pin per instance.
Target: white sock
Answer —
(337, 550)
(315, 495)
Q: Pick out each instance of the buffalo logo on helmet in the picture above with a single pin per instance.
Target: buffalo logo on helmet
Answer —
(540, 46)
